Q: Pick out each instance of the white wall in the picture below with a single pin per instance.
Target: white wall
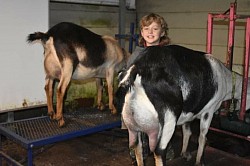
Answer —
(21, 64)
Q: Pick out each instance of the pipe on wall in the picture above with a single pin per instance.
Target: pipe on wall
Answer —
(130, 4)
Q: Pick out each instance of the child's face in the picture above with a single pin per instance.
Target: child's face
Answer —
(152, 34)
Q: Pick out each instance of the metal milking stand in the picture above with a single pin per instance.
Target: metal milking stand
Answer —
(233, 125)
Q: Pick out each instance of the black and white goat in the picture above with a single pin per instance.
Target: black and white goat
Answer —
(73, 52)
(168, 86)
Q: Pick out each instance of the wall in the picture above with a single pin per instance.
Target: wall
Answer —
(21, 65)
(187, 22)
(103, 20)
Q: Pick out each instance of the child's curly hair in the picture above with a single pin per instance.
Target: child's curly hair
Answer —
(147, 20)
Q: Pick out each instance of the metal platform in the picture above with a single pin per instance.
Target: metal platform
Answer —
(41, 131)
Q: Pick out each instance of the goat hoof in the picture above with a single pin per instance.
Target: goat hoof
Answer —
(113, 111)
(61, 122)
(199, 164)
(186, 156)
(51, 115)
(58, 117)
(101, 107)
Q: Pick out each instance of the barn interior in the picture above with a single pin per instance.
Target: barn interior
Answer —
(91, 137)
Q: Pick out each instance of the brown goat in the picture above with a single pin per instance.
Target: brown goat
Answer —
(74, 52)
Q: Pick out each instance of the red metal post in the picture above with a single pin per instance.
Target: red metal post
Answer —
(230, 46)
(246, 69)
(209, 33)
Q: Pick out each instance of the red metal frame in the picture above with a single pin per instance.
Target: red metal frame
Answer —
(246, 68)
(231, 31)
(232, 17)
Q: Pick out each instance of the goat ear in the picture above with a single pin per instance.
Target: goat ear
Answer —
(133, 74)
(121, 74)
(120, 97)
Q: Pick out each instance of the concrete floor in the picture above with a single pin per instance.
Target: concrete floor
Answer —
(110, 148)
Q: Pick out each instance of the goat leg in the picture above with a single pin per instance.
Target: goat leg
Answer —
(186, 135)
(110, 81)
(49, 94)
(61, 89)
(99, 86)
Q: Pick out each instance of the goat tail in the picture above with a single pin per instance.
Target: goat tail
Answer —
(38, 36)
